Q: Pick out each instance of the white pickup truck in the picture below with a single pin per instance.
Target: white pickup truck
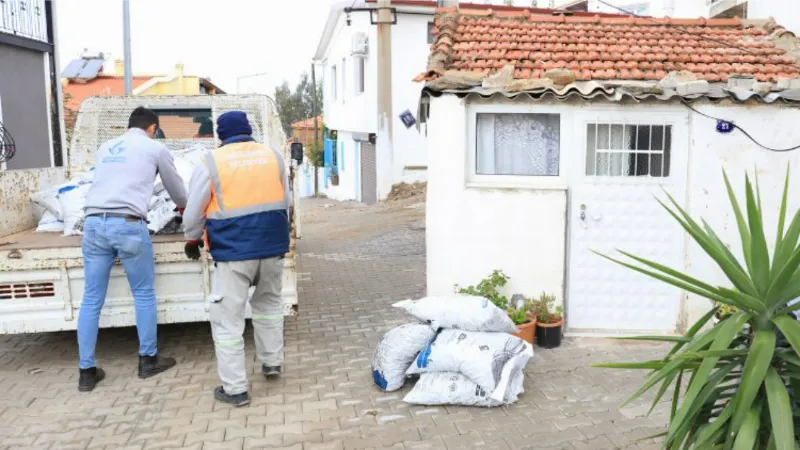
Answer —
(41, 274)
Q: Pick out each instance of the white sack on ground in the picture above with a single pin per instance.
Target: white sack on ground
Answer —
(460, 312)
(396, 351)
(480, 356)
(451, 388)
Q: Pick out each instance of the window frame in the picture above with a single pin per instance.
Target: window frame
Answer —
(360, 75)
(476, 180)
(679, 121)
(344, 79)
(431, 38)
(334, 83)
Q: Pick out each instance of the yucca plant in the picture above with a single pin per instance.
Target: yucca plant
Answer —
(730, 383)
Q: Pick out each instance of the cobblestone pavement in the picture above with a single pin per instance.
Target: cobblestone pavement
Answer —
(354, 261)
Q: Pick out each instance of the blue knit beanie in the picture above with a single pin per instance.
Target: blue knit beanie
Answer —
(233, 123)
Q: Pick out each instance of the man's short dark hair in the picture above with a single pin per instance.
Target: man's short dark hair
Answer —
(143, 118)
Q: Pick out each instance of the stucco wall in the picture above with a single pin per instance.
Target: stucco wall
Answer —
(473, 231)
(23, 93)
(774, 126)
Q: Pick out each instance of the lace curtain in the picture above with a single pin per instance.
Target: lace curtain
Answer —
(518, 144)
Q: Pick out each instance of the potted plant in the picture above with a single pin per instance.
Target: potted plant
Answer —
(549, 321)
(525, 322)
(334, 176)
(730, 381)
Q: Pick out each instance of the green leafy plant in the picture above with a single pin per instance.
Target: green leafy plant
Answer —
(490, 289)
(518, 316)
(737, 373)
(544, 310)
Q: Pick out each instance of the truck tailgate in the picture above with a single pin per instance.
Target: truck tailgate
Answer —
(42, 279)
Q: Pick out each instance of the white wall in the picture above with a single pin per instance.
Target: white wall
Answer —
(350, 111)
(354, 112)
(410, 50)
(473, 231)
(774, 126)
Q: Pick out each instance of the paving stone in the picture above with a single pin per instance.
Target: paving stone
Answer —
(353, 263)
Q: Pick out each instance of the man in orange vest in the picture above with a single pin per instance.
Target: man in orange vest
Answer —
(238, 208)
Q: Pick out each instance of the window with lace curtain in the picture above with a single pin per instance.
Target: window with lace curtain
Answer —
(518, 144)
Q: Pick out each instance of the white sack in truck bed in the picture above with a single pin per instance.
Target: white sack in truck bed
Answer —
(65, 202)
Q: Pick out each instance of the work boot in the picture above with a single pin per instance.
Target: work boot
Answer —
(154, 365)
(89, 378)
(236, 400)
(271, 371)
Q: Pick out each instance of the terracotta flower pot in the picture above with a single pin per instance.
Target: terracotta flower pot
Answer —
(335, 180)
(548, 335)
(526, 331)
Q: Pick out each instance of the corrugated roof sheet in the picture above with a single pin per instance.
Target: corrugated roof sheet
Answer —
(619, 91)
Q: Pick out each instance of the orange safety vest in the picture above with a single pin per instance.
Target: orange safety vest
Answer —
(247, 216)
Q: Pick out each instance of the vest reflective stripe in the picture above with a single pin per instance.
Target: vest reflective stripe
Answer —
(267, 317)
(214, 175)
(238, 212)
(228, 343)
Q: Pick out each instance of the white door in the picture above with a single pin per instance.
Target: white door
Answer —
(623, 162)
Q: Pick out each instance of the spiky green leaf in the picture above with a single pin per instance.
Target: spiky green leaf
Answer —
(755, 369)
(780, 411)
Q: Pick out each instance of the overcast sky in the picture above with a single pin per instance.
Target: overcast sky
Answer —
(221, 40)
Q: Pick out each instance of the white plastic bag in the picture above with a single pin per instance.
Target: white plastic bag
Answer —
(49, 223)
(451, 388)
(72, 199)
(161, 212)
(460, 312)
(396, 351)
(479, 356)
(47, 200)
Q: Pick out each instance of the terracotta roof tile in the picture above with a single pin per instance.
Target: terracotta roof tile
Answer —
(602, 47)
(102, 85)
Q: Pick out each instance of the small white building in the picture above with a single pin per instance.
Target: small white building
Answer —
(347, 56)
(533, 171)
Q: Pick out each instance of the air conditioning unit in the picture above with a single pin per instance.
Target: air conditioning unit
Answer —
(360, 45)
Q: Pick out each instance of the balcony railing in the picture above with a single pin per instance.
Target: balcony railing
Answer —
(23, 18)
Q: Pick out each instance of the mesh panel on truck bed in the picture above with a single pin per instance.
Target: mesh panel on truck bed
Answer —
(104, 118)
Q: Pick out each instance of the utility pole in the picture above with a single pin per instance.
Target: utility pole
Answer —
(384, 142)
(126, 31)
(314, 109)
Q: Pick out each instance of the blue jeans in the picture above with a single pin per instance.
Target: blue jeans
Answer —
(103, 240)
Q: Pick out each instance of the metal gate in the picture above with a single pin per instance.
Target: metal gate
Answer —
(369, 174)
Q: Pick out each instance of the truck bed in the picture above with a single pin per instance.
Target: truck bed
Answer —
(31, 240)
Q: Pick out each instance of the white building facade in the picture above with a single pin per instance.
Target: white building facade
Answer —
(786, 12)
(347, 58)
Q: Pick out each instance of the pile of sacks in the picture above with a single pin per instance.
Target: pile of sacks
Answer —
(60, 209)
(461, 351)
